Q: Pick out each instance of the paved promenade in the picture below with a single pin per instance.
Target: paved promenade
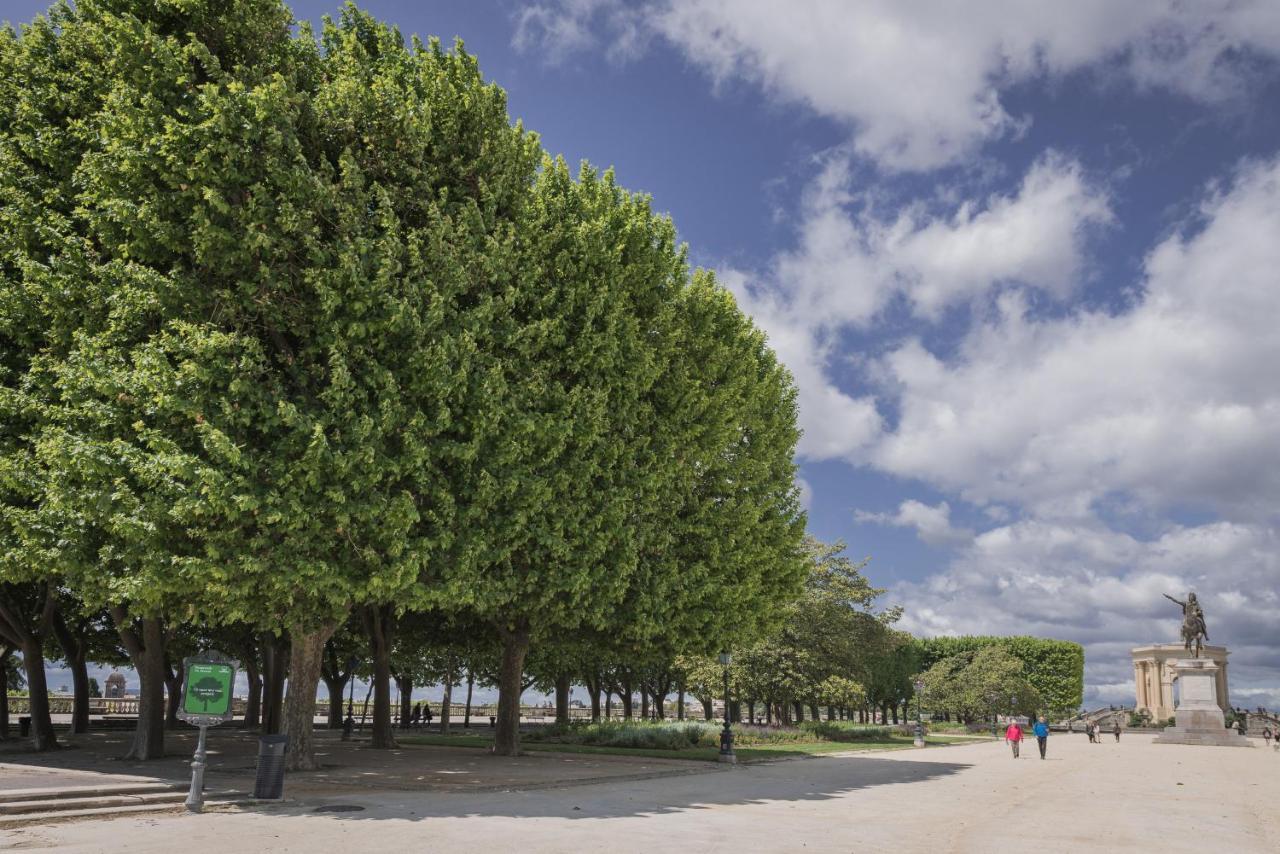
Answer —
(1128, 797)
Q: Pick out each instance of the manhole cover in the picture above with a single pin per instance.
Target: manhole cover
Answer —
(339, 808)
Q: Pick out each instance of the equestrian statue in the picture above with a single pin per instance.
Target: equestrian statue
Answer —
(1194, 631)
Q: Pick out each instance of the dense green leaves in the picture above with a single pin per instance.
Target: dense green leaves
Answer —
(1054, 668)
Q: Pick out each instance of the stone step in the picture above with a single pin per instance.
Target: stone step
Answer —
(7, 821)
(65, 792)
(66, 804)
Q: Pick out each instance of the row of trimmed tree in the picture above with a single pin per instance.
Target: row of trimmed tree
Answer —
(299, 327)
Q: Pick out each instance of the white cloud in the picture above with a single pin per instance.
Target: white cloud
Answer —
(932, 524)
(850, 265)
(556, 30)
(806, 493)
(919, 84)
(1173, 402)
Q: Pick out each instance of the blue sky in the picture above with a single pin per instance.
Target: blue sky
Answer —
(1020, 259)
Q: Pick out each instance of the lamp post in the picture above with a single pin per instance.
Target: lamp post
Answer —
(919, 741)
(726, 736)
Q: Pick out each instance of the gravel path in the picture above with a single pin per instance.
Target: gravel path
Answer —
(1128, 797)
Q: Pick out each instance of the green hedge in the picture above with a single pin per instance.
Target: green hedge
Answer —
(1054, 667)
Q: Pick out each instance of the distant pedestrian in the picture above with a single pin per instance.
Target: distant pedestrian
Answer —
(1115, 730)
(415, 718)
(1266, 735)
(1088, 730)
(1013, 737)
(427, 714)
(1041, 729)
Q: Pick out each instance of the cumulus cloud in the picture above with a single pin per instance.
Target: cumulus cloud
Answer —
(1173, 402)
(919, 84)
(850, 264)
(932, 523)
(560, 29)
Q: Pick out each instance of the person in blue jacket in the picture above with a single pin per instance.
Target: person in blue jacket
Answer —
(1041, 729)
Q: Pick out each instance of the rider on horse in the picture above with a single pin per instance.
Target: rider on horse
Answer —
(1193, 625)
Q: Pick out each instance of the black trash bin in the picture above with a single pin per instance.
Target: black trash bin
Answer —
(269, 785)
(24, 726)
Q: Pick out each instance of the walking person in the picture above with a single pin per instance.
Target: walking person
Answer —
(1115, 730)
(1013, 737)
(1266, 735)
(1041, 729)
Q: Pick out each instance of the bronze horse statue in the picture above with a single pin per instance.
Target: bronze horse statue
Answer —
(1194, 630)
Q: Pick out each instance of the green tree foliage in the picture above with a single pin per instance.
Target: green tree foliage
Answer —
(982, 682)
(1054, 668)
(260, 264)
(295, 326)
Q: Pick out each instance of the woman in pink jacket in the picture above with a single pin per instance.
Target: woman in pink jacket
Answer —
(1013, 736)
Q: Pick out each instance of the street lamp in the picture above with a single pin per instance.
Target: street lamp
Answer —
(919, 686)
(726, 736)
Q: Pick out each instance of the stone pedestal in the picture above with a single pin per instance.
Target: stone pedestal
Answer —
(1153, 677)
(1198, 712)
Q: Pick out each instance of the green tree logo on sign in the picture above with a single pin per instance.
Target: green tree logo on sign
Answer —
(207, 690)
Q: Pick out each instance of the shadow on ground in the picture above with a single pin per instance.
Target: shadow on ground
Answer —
(416, 783)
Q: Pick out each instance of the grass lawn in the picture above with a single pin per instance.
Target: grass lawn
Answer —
(755, 753)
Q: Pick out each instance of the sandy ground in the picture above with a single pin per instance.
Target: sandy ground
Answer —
(1132, 796)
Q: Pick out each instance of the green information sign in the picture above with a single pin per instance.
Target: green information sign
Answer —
(208, 689)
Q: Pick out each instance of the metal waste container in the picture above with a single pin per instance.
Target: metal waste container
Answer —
(269, 785)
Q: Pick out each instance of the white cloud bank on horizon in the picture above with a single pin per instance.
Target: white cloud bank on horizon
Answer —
(919, 84)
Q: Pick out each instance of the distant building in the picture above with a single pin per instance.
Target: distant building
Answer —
(115, 686)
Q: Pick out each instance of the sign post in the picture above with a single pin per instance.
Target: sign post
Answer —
(206, 701)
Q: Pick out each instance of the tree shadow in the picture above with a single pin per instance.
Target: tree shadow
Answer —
(819, 778)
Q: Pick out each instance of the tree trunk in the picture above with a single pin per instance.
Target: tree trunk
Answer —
(446, 703)
(379, 623)
(306, 650)
(253, 706)
(799, 712)
(335, 682)
(515, 645)
(644, 703)
(42, 736)
(707, 710)
(273, 676)
(335, 689)
(814, 713)
(659, 704)
(404, 685)
(768, 713)
(608, 704)
(74, 651)
(562, 699)
(466, 714)
(680, 700)
(5, 652)
(173, 684)
(80, 702)
(28, 632)
(147, 656)
(625, 696)
(595, 706)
